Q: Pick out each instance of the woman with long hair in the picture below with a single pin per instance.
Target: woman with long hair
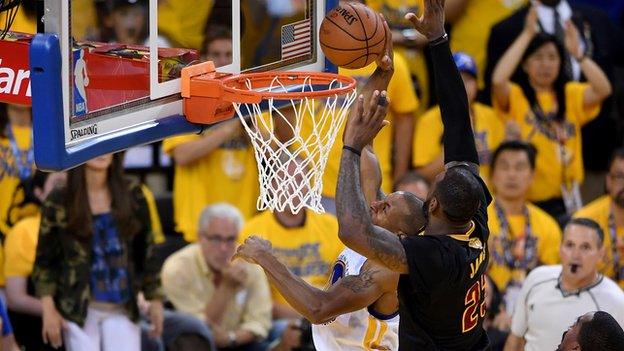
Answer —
(94, 256)
(548, 111)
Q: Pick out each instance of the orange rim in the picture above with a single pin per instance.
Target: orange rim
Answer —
(237, 85)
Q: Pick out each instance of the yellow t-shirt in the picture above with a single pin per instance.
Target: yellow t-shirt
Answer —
(307, 251)
(21, 247)
(472, 39)
(548, 166)
(183, 22)
(543, 227)
(489, 132)
(9, 179)
(599, 210)
(228, 174)
(402, 100)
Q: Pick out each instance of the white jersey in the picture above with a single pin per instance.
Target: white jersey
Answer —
(360, 330)
(543, 311)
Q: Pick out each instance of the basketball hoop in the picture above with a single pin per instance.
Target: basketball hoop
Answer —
(270, 103)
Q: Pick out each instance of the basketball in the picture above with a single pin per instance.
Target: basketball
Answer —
(352, 35)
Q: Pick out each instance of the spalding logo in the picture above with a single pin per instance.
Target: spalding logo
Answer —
(346, 15)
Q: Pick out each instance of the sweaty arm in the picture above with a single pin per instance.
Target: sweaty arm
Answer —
(348, 294)
(458, 139)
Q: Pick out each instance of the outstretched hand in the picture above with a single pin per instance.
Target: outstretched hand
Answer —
(366, 120)
(252, 248)
(431, 23)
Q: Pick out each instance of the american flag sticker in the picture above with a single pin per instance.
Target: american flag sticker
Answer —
(296, 39)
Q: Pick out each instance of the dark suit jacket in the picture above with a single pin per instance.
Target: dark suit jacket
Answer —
(601, 135)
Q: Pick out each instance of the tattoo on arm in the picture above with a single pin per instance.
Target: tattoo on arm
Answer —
(393, 255)
(356, 227)
(360, 282)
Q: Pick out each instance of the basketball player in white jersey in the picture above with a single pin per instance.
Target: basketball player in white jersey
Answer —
(358, 310)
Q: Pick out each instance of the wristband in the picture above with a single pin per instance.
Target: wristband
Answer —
(354, 150)
(439, 40)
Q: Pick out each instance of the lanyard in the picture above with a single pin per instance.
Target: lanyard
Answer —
(24, 167)
(619, 271)
(529, 244)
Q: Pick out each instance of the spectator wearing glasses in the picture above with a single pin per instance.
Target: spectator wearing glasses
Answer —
(233, 299)
(608, 211)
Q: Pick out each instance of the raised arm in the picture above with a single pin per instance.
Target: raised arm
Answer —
(458, 138)
(348, 294)
(599, 85)
(508, 63)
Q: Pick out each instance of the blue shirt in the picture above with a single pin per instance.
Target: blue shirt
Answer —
(110, 281)
(6, 323)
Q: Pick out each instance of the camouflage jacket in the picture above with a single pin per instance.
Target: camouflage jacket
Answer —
(63, 263)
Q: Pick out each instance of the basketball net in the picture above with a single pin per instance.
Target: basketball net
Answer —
(290, 170)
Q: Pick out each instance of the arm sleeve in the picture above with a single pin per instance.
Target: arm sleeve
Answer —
(257, 315)
(458, 138)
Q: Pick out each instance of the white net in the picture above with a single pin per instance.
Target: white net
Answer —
(292, 139)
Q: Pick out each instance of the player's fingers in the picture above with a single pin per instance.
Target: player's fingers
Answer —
(372, 105)
(359, 108)
(415, 20)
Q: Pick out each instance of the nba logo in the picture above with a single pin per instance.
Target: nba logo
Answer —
(81, 80)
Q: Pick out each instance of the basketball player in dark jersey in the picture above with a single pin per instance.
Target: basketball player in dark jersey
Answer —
(441, 288)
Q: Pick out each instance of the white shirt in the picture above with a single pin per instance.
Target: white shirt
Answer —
(543, 312)
(545, 14)
(359, 330)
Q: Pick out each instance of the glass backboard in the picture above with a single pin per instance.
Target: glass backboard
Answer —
(106, 74)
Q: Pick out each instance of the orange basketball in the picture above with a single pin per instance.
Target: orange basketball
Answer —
(352, 35)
